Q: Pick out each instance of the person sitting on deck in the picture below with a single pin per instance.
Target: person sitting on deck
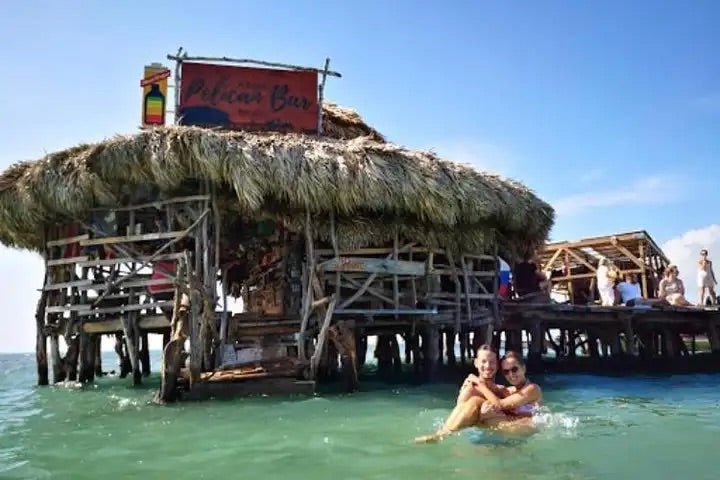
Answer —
(630, 293)
(529, 283)
(706, 278)
(672, 289)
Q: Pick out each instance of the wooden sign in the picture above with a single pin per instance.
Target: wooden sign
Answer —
(243, 98)
(375, 265)
(154, 99)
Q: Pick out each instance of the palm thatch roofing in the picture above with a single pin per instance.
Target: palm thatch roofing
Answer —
(374, 188)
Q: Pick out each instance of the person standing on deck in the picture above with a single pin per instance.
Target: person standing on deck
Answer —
(706, 278)
(606, 283)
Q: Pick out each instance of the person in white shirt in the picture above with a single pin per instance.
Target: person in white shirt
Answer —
(605, 283)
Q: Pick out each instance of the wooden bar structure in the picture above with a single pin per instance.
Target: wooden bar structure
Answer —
(326, 239)
(573, 265)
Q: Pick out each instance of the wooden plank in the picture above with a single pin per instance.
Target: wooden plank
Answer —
(149, 322)
(132, 238)
(385, 311)
(581, 260)
(141, 259)
(61, 286)
(475, 296)
(65, 261)
(67, 241)
(374, 265)
(135, 283)
(158, 204)
(85, 309)
(474, 273)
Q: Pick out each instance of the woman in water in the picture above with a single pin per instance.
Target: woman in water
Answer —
(484, 404)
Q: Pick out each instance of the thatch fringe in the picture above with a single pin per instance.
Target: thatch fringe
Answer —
(373, 188)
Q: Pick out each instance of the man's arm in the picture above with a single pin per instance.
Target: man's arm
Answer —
(529, 394)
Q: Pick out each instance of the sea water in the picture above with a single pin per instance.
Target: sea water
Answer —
(591, 427)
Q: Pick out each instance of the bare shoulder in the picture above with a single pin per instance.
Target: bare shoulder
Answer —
(532, 390)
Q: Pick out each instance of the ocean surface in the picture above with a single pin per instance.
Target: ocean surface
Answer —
(592, 428)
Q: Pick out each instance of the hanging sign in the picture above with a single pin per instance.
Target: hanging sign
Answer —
(242, 98)
(154, 98)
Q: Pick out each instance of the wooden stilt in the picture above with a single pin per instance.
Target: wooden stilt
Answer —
(361, 348)
(71, 357)
(83, 370)
(58, 366)
(98, 357)
(343, 338)
(91, 355)
(129, 323)
(144, 354)
(431, 342)
(450, 346)
(395, 353)
(713, 337)
(41, 341)
(536, 342)
(173, 355)
(408, 348)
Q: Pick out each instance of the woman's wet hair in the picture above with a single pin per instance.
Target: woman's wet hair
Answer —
(515, 356)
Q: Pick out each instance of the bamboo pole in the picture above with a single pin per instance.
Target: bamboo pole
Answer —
(184, 57)
(322, 337)
(321, 95)
(336, 251)
(458, 297)
(466, 279)
(413, 284)
(308, 293)
(396, 289)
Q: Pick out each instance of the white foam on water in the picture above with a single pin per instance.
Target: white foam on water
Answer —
(124, 403)
(555, 424)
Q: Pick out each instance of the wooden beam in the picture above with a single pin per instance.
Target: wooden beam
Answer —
(322, 338)
(374, 265)
(631, 256)
(157, 205)
(643, 274)
(581, 260)
(132, 238)
(67, 241)
(116, 261)
(552, 259)
(146, 322)
(66, 261)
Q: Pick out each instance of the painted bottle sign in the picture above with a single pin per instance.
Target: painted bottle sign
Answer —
(154, 86)
(154, 106)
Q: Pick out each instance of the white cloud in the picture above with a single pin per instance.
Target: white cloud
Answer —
(481, 155)
(684, 251)
(646, 191)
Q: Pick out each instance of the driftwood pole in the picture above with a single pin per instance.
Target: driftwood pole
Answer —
(40, 336)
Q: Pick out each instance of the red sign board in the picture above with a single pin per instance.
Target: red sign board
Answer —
(242, 98)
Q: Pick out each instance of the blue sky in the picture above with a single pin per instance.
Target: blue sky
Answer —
(609, 110)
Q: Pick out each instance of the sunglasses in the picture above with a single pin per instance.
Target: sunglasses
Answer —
(511, 370)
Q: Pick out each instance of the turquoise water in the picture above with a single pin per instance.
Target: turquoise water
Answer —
(593, 428)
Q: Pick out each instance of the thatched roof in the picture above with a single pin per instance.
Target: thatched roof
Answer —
(374, 188)
(344, 123)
